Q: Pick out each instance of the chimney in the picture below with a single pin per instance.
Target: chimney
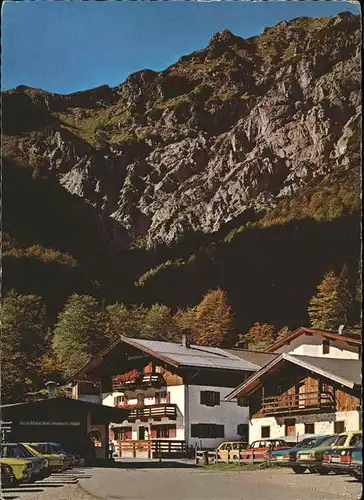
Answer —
(185, 339)
(341, 329)
(52, 389)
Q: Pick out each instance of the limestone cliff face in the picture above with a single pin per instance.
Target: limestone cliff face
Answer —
(226, 131)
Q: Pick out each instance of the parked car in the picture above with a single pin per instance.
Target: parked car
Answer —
(58, 450)
(311, 458)
(21, 468)
(339, 460)
(55, 462)
(348, 438)
(356, 464)
(7, 478)
(288, 457)
(46, 448)
(258, 449)
(40, 469)
(230, 450)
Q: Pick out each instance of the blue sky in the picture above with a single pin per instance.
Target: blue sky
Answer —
(64, 46)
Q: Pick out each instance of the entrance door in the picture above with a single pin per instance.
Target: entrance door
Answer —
(141, 433)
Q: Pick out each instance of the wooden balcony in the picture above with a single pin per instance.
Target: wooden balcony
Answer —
(297, 403)
(155, 448)
(142, 382)
(155, 412)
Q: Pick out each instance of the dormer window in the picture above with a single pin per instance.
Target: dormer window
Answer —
(325, 347)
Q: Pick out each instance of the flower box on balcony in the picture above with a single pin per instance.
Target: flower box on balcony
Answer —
(126, 380)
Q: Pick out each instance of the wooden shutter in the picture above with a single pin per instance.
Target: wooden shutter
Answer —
(216, 398)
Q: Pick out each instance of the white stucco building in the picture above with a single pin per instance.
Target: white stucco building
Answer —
(172, 391)
(313, 342)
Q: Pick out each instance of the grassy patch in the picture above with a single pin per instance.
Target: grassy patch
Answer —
(223, 467)
(175, 102)
(84, 122)
(151, 273)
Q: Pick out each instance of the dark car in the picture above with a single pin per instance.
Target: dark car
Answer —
(40, 466)
(288, 457)
(7, 477)
(339, 460)
(356, 464)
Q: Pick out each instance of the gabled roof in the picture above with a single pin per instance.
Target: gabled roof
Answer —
(313, 331)
(256, 357)
(344, 371)
(177, 355)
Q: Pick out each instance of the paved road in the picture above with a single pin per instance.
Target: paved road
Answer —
(171, 483)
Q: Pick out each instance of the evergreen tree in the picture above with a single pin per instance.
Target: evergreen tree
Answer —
(345, 297)
(23, 333)
(214, 321)
(159, 324)
(121, 320)
(23, 324)
(79, 333)
(331, 306)
(186, 322)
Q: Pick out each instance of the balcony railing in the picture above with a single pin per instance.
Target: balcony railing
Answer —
(154, 412)
(288, 403)
(143, 381)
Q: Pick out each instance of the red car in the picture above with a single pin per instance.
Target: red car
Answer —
(261, 447)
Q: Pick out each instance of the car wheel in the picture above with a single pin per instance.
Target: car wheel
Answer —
(298, 469)
(312, 470)
(357, 475)
(322, 471)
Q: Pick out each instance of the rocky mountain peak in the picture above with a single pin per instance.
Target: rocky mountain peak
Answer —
(226, 132)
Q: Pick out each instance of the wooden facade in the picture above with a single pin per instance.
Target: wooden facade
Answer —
(295, 390)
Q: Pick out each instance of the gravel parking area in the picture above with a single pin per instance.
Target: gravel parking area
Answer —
(199, 484)
(183, 482)
(56, 487)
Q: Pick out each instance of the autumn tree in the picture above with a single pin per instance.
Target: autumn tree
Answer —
(331, 306)
(214, 321)
(79, 332)
(283, 333)
(260, 336)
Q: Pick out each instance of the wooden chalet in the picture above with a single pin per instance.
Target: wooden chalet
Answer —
(173, 392)
(295, 394)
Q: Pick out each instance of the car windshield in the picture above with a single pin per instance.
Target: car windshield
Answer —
(27, 453)
(41, 448)
(326, 441)
(341, 440)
